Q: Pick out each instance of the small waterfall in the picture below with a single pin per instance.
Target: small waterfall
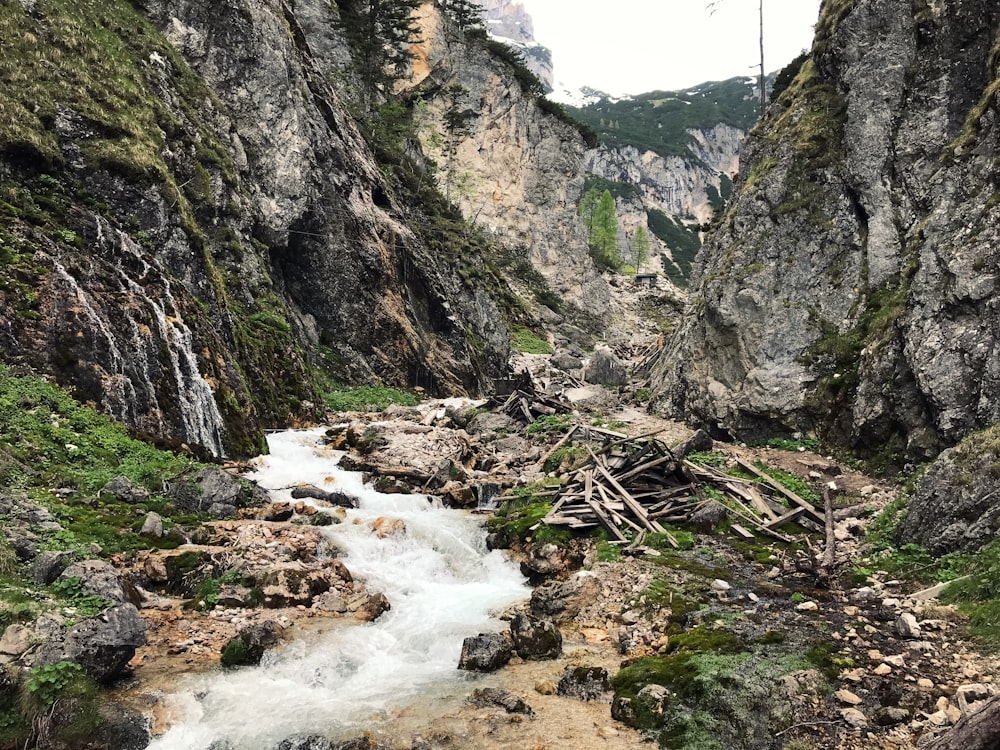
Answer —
(442, 584)
(159, 344)
(486, 496)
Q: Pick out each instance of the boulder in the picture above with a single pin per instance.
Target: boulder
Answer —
(386, 527)
(709, 516)
(102, 645)
(124, 490)
(565, 361)
(152, 526)
(293, 584)
(561, 601)
(49, 565)
(99, 578)
(372, 608)
(535, 640)
(249, 644)
(486, 652)
(585, 683)
(309, 742)
(550, 560)
(604, 368)
(489, 697)
(334, 497)
(646, 710)
(216, 492)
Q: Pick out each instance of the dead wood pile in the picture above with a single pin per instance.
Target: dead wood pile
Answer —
(640, 484)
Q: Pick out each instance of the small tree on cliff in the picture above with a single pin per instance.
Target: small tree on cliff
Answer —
(604, 233)
(639, 247)
(466, 14)
(380, 33)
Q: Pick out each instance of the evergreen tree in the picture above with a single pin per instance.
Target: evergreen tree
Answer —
(466, 14)
(640, 247)
(604, 233)
(587, 208)
(380, 32)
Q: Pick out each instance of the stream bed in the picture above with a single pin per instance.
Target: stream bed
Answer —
(439, 578)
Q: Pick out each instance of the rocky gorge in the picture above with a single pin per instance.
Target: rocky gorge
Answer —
(212, 230)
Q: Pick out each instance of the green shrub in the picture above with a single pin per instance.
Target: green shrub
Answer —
(49, 683)
(84, 604)
(549, 424)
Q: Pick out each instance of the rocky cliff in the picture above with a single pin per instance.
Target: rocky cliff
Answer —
(510, 22)
(194, 227)
(850, 289)
(509, 165)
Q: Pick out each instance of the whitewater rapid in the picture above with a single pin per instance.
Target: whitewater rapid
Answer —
(441, 582)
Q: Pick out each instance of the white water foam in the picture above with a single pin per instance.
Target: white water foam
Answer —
(441, 581)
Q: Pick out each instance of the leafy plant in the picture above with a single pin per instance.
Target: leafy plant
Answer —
(552, 423)
(85, 605)
(49, 683)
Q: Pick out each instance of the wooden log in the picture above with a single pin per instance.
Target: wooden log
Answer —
(754, 498)
(644, 468)
(562, 441)
(809, 508)
(975, 731)
(599, 512)
(788, 517)
(741, 531)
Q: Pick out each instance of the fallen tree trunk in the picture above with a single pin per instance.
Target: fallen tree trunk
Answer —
(977, 731)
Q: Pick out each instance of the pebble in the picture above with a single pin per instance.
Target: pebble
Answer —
(896, 660)
(883, 670)
(924, 684)
(846, 696)
(607, 732)
(719, 585)
(545, 687)
(851, 611)
(854, 717)
(906, 626)
(753, 597)
(807, 607)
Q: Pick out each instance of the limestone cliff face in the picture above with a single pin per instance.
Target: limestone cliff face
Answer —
(676, 185)
(508, 165)
(188, 255)
(852, 289)
(510, 21)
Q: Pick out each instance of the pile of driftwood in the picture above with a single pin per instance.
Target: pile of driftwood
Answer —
(640, 484)
(519, 399)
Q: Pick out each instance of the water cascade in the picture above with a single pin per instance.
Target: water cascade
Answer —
(441, 581)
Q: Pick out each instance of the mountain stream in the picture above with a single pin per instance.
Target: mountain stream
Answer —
(440, 579)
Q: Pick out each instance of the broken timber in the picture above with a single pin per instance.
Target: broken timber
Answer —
(639, 484)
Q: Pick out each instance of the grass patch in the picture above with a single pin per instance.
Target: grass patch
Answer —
(527, 341)
(366, 398)
(550, 424)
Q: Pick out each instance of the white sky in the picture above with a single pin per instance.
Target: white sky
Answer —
(635, 46)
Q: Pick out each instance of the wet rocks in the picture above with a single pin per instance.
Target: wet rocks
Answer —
(486, 652)
(486, 697)
(561, 601)
(535, 640)
(216, 492)
(371, 607)
(249, 645)
(386, 527)
(585, 683)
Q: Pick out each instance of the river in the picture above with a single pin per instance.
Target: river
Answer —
(440, 579)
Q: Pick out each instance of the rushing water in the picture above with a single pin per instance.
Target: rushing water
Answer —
(442, 584)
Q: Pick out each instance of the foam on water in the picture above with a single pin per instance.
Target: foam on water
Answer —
(441, 581)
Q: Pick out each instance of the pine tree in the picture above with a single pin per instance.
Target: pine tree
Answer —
(587, 208)
(380, 32)
(640, 247)
(604, 233)
(466, 14)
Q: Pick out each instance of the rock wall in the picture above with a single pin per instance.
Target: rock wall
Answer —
(187, 257)
(509, 21)
(508, 165)
(675, 185)
(851, 289)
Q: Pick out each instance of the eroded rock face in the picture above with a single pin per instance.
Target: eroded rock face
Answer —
(955, 507)
(102, 645)
(850, 288)
(182, 292)
(515, 169)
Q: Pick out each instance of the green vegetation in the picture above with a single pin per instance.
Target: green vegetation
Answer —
(49, 683)
(366, 398)
(793, 482)
(682, 239)
(659, 120)
(551, 424)
(522, 509)
(525, 340)
(639, 248)
(600, 216)
(83, 604)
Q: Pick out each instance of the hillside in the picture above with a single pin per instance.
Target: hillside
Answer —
(661, 121)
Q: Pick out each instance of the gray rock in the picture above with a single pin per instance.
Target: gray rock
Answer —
(708, 516)
(486, 652)
(99, 578)
(890, 716)
(335, 497)
(646, 710)
(604, 368)
(561, 601)
(585, 683)
(566, 362)
(49, 565)
(907, 627)
(124, 490)
(535, 640)
(215, 491)
(247, 647)
(102, 645)
(310, 742)
(504, 699)
(152, 526)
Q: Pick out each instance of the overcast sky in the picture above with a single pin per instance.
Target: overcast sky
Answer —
(635, 46)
